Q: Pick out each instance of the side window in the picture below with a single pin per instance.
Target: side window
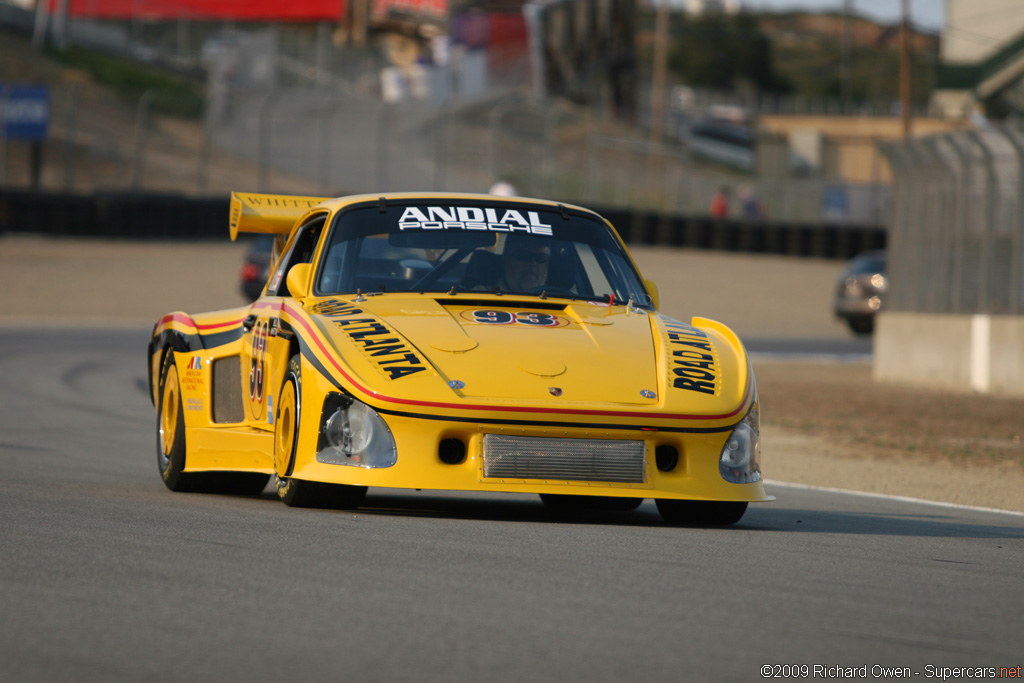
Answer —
(301, 250)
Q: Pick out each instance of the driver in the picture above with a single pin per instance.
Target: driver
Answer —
(524, 264)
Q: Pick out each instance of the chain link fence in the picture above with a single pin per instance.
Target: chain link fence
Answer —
(322, 140)
(956, 240)
(286, 110)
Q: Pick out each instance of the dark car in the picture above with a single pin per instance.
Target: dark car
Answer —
(861, 291)
(256, 267)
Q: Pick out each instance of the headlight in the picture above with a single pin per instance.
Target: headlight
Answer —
(352, 433)
(739, 461)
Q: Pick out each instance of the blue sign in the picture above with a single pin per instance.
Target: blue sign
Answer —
(25, 111)
(836, 202)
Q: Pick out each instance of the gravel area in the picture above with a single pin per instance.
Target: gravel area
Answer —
(824, 424)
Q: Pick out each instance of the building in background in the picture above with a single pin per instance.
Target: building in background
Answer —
(982, 67)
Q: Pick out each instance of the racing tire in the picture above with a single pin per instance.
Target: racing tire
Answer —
(170, 447)
(700, 512)
(299, 492)
(562, 503)
(170, 430)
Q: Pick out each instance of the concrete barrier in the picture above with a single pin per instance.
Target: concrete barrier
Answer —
(983, 353)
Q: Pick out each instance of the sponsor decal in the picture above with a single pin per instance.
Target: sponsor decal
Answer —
(279, 201)
(380, 344)
(195, 404)
(692, 363)
(472, 218)
(192, 379)
(487, 316)
(270, 409)
(336, 307)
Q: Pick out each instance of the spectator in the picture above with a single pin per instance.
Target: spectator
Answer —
(503, 188)
(750, 205)
(720, 204)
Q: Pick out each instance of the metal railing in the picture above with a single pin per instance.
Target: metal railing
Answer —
(956, 240)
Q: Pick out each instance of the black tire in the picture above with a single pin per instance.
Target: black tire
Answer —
(299, 492)
(562, 503)
(700, 512)
(170, 430)
(170, 457)
(861, 326)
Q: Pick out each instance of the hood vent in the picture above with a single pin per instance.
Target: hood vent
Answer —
(504, 302)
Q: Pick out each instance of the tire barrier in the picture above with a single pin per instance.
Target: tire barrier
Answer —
(115, 215)
(176, 217)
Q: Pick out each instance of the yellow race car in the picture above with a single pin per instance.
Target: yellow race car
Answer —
(455, 342)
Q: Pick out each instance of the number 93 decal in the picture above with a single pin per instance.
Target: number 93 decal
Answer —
(488, 316)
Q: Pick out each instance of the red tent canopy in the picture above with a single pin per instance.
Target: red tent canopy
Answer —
(242, 10)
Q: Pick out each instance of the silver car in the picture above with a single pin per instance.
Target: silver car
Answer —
(861, 291)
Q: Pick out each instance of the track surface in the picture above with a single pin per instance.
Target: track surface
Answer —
(107, 576)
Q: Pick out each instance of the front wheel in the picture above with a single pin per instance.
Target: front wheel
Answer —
(700, 512)
(298, 492)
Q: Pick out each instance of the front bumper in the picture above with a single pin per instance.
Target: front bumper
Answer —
(696, 475)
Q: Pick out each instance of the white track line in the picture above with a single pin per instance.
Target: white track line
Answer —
(886, 496)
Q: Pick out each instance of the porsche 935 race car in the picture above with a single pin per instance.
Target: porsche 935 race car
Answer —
(454, 342)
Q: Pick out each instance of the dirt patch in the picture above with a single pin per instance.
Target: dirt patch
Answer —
(830, 424)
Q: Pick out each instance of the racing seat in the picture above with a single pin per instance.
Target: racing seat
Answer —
(561, 270)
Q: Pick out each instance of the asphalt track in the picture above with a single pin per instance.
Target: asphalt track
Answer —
(107, 576)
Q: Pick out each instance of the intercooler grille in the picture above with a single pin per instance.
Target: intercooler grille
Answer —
(532, 457)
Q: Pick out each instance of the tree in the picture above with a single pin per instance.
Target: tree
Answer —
(724, 52)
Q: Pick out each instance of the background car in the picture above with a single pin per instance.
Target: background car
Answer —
(256, 267)
(861, 291)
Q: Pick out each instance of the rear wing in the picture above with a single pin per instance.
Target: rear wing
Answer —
(268, 213)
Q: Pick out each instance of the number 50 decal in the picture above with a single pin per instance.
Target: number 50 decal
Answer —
(257, 369)
(498, 317)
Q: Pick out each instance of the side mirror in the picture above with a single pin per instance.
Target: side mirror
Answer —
(298, 280)
(652, 289)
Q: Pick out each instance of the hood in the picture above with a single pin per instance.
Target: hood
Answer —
(507, 350)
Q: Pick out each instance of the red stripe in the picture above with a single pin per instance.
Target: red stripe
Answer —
(212, 326)
(505, 409)
(186, 320)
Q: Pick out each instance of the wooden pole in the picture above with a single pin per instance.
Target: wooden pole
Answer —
(660, 69)
(905, 68)
(658, 90)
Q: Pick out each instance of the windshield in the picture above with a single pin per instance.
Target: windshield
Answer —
(449, 246)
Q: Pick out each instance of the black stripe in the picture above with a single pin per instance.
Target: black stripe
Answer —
(319, 367)
(221, 338)
(575, 425)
